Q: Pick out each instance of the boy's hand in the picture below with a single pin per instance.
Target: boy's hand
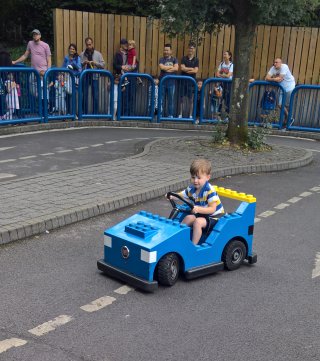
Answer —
(196, 209)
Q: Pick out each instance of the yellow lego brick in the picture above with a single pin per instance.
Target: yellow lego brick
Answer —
(229, 193)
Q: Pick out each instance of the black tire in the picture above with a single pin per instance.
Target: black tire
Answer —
(168, 269)
(233, 255)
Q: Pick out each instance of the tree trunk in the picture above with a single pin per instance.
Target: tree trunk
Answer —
(237, 132)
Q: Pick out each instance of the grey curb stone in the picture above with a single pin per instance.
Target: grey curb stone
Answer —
(87, 207)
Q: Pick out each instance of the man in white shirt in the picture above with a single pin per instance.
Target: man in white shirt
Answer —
(281, 74)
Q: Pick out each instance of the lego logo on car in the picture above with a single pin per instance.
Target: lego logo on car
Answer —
(125, 252)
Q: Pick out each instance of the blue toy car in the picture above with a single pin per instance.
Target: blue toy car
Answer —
(147, 249)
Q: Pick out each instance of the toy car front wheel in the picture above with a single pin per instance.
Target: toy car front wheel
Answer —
(234, 255)
(168, 269)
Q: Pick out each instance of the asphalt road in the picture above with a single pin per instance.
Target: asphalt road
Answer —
(25, 155)
(268, 311)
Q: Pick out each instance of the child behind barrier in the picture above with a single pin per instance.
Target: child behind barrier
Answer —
(215, 98)
(12, 99)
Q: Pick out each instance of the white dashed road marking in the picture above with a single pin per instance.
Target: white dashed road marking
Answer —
(294, 200)
(50, 325)
(6, 148)
(315, 189)
(123, 290)
(45, 154)
(80, 148)
(305, 194)
(7, 160)
(266, 214)
(282, 206)
(111, 141)
(97, 145)
(7, 175)
(125, 140)
(5, 345)
(98, 304)
(65, 151)
(316, 270)
(256, 220)
(28, 157)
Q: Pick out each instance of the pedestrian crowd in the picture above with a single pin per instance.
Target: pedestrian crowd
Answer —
(126, 61)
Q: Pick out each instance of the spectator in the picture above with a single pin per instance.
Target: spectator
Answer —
(189, 67)
(281, 74)
(39, 51)
(91, 59)
(168, 66)
(199, 85)
(132, 60)
(12, 100)
(5, 61)
(72, 61)
(225, 71)
(120, 60)
(115, 97)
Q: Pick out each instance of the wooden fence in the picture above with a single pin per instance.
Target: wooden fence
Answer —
(299, 47)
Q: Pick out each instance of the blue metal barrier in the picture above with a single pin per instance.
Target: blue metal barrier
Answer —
(136, 97)
(19, 100)
(59, 94)
(214, 101)
(177, 98)
(96, 94)
(267, 102)
(304, 109)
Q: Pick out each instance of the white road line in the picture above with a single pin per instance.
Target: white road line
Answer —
(125, 140)
(98, 304)
(312, 150)
(96, 145)
(111, 141)
(50, 325)
(266, 214)
(142, 138)
(7, 175)
(28, 157)
(305, 194)
(256, 220)
(80, 148)
(5, 345)
(6, 148)
(316, 270)
(65, 151)
(315, 189)
(45, 154)
(282, 206)
(294, 200)
(123, 290)
(7, 160)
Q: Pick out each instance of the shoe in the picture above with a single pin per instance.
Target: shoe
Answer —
(125, 83)
(170, 116)
(292, 121)
(139, 81)
(180, 116)
(190, 117)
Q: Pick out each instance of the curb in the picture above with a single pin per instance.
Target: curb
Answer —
(73, 215)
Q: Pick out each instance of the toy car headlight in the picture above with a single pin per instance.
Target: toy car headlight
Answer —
(149, 257)
(107, 241)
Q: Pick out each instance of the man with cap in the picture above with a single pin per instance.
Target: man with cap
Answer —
(121, 57)
(39, 51)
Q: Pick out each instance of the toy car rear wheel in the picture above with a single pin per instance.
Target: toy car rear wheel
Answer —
(234, 255)
(168, 269)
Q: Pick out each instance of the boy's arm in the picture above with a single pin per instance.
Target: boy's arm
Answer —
(205, 210)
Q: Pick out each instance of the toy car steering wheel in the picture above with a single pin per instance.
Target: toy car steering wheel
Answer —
(176, 207)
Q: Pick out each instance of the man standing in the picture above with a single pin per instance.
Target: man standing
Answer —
(281, 74)
(189, 67)
(39, 51)
(168, 66)
(120, 58)
(91, 59)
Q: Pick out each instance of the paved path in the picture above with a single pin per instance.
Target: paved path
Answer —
(38, 204)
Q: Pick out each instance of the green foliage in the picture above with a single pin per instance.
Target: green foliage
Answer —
(219, 134)
(257, 136)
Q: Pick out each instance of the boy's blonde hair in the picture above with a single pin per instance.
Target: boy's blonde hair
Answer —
(132, 42)
(202, 166)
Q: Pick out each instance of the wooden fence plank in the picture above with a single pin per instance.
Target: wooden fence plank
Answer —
(200, 57)
(285, 44)
(91, 27)
(85, 26)
(58, 37)
(232, 40)
(272, 47)
(213, 54)
(297, 57)
(111, 52)
(130, 28)
(66, 30)
(304, 55)
(155, 47)
(227, 38)
(316, 66)
(264, 52)
(206, 56)
(252, 57)
(279, 42)
(97, 32)
(311, 55)
(149, 50)
(73, 27)
(79, 38)
(142, 49)
(180, 49)
(104, 41)
(136, 30)
(220, 49)
(258, 52)
(116, 33)
(292, 48)
(124, 27)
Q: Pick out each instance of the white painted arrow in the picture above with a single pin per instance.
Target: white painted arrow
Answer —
(316, 270)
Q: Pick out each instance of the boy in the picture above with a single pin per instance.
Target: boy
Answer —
(201, 193)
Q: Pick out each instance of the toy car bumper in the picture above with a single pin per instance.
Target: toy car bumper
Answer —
(148, 286)
(252, 259)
